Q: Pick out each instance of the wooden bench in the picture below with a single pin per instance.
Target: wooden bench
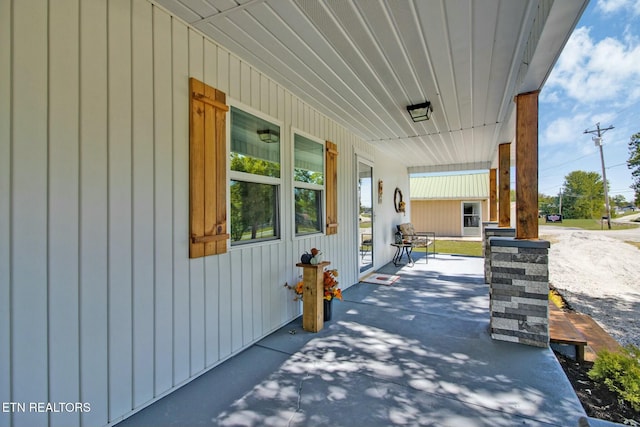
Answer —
(597, 338)
(581, 331)
(562, 331)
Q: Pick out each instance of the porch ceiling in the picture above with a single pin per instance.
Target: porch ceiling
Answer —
(361, 62)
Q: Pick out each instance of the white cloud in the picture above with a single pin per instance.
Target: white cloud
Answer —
(564, 130)
(613, 6)
(591, 72)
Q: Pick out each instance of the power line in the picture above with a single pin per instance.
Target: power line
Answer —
(615, 166)
(566, 163)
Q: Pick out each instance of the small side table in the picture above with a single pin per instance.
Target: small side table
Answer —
(402, 249)
(313, 296)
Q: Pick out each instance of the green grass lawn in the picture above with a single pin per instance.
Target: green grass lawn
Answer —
(587, 224)
(456, 247)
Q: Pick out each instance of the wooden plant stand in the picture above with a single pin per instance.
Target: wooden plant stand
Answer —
(312, 296)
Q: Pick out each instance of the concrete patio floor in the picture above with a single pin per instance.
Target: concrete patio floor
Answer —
(416, 353)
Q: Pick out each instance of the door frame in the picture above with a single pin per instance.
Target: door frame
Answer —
(364, 159)
(478, 203)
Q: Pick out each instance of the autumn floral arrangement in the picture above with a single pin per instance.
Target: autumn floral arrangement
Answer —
(330, 284)
(331, 289)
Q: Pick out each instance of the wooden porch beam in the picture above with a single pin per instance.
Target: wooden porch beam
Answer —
(504, 182)
(493, 195)
(527, 165)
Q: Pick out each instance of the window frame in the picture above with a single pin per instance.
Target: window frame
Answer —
(308, 186)
(257, 179)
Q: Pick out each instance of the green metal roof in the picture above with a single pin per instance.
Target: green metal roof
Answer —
(448, 187)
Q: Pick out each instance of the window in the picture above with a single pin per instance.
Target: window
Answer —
(255, 178)
(308, 178)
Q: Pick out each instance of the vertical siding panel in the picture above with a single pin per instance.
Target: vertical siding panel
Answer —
(29, 215)
(236, 299)
(181, 334)
(246, 308)
(260, 280)
(267, 283)
(197, 322)
(143, 213)
(211, 64)
(223, 71)
(225, 304)
(196, 315)
(5, 206)
(163, 201)
(63, 251)
(93, 211)
(212, 302)
(120, 238)
(236, 85)
(283, 304)
(261, 90)
(249, 86)
(274, 99)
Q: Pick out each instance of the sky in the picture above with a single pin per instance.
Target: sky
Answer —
(595, 80)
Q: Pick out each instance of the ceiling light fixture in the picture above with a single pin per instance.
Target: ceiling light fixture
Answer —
(269, 136)
(420, 112)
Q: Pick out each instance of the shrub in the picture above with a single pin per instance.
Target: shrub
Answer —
(620, 372)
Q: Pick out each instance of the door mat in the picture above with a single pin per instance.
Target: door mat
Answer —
(380, 279)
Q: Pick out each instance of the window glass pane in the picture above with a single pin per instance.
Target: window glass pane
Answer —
(309, 161)
(255, 145)
(308, 211)
(254, 212)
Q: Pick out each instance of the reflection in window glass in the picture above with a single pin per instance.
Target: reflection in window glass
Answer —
(254, 211)
(308, 210)
(255, 145)
(309, 161)
(308, 177)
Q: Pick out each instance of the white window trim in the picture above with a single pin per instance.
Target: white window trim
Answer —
(297, 184)
(260, 179)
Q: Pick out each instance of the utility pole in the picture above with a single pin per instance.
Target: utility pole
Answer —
(598, 142)
(560, 207)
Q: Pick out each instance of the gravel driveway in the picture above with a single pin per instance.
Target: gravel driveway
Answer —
(599, 275)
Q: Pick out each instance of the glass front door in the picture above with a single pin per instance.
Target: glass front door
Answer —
(365, 216)
(471, 219)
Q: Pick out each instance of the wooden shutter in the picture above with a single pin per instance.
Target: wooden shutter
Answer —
(207, 170)
(332, 187)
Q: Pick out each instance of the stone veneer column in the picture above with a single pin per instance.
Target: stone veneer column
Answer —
(519, 291)
(488, 231)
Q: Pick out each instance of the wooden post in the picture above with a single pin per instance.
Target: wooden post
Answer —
(527, 165)
(493, 195)
(504, 194)
(313, 296)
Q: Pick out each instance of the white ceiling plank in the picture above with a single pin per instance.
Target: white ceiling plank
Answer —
(434, 27)
(459, 33)
(485, 19)
(200, 7)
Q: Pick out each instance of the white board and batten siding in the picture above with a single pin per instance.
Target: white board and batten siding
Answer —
(99, 301)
